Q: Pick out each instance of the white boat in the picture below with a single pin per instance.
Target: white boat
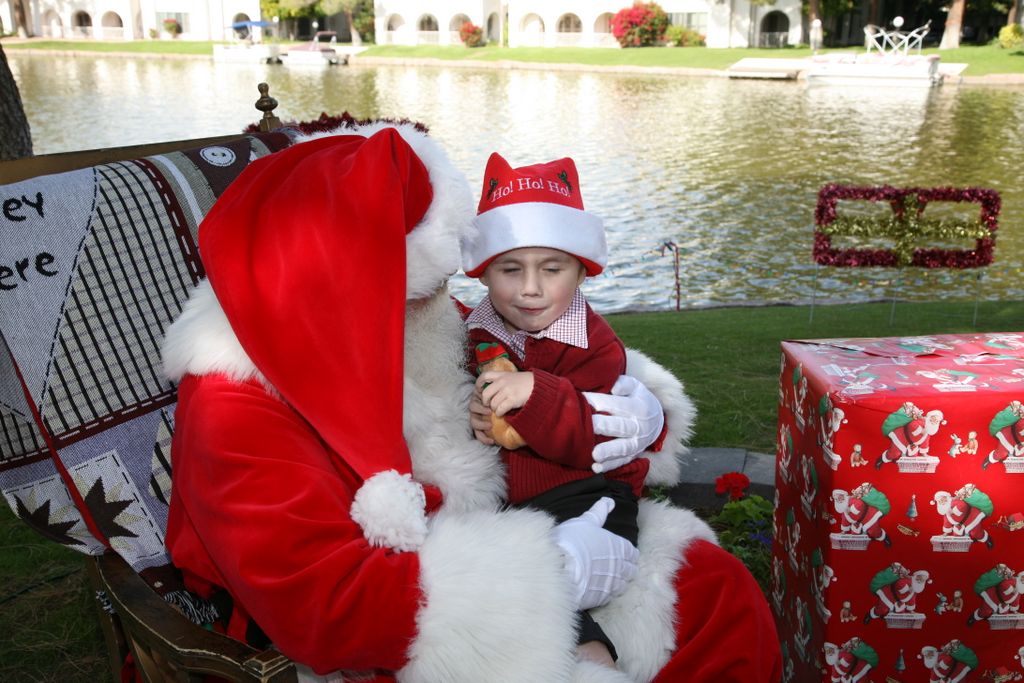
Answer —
(874, 69)
(887, 61)
(247, 53)
(320, 51)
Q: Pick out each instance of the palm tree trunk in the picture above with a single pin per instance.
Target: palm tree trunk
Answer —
(22, 18)
(15, 137)
(954, 20)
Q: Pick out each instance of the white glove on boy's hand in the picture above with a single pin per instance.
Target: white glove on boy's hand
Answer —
(599, 563)
(635, 420)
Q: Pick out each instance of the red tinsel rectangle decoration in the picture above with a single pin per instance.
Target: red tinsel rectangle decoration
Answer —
(902, 199)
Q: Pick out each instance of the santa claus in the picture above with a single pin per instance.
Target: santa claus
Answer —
(951, 664)
(1000, 591)
(327, 484)
(896, 590)
(861, 511)
(910, 430)
(851, 662)
(1008, 429)
(963, 512)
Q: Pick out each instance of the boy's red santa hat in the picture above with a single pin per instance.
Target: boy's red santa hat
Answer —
(306, 253)
(533, 206)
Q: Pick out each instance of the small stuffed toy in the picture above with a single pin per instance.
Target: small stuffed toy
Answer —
(493, 356)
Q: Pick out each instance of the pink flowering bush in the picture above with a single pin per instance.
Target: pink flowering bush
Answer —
(471, 34)
(641, 25)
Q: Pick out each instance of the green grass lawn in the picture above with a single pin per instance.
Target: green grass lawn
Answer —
(162, 47)
(987, 59)
(981, 60)
(728, 359)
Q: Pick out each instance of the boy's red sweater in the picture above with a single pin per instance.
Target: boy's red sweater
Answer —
(556, 420)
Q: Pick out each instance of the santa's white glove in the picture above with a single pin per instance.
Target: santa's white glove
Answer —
(635, 419)
(599, 563)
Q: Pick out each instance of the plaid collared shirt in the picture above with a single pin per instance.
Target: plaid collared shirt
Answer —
(570, 327)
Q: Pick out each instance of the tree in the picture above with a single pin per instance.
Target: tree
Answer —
(954, 20)
(1014, 15)
(22, 18)
(15, 136)
(346, 7)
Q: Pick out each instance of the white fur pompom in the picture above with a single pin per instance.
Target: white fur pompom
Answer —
(390, 509)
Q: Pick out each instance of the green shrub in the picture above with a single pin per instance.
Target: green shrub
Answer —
(172, 27)
(471, 34)
(681, 36)
(744, 528)
(1011, 36)
(641, 25)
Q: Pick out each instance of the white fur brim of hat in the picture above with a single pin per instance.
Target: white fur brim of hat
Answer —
(534, 224)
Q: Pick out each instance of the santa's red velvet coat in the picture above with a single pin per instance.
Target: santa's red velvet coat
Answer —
(343, 567)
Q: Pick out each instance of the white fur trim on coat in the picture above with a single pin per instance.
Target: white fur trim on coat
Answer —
(641, 621)
(201, 342)
(432, 247)
(390, 509)
(680, 414)
(498, 604)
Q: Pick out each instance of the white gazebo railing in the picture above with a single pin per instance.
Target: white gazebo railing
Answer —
(895, 42)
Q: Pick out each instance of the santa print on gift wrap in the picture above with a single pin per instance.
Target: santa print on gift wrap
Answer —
(799, 396)
(804, 630)
(905, 226)
(963, 513)
(1007, 426)
(822, 578)
(999, 591)
(810, 486)
(778, 590)
(850, 662)
(830, 419)
(860, 515)
(792, 540)
(785, 454)
(896, 589)
(949, 664)
(910, 430)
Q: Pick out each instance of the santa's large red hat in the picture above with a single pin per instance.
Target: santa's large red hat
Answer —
(312, 254)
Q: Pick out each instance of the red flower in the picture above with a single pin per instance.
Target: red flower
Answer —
(733, 482)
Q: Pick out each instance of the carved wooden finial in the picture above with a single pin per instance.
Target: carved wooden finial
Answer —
(267, 105)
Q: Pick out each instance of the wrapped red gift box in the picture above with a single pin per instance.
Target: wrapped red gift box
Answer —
(899, 512)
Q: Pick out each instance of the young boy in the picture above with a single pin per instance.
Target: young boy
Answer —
(534, 246)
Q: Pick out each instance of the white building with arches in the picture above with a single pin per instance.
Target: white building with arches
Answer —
(132, 19)
(581, 23)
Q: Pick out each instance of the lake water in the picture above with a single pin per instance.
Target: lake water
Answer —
(727, 170)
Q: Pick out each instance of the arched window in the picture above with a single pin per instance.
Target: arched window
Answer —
(81, 24)
(532, 24)
(603, 24)
(457, 21)
(493, 28)
(569, 23)
(774, 30)
(428, 23)
(395, 22)
(775, 22)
